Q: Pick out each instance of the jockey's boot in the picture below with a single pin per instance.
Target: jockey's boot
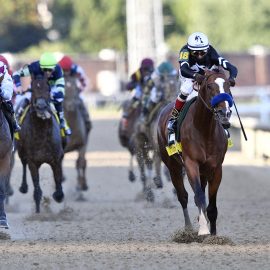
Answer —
(172, 126)
(63, 123)
(85, 114)
(10, 115)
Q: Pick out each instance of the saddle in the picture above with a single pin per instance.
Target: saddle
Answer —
(182, 116)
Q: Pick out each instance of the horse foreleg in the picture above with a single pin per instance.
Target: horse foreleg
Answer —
(37, 190)
(212, 193)
(81, 164)
(24, 187)
(157, 164)
(58, 195)
(3, 218)
(178, 181)
(131, 175)
(145, 180)
(192, 169)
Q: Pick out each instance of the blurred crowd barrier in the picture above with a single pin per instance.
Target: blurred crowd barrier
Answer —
(253, 104)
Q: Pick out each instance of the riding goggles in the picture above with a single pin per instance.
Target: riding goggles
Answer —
(199, 53)
(47, 69)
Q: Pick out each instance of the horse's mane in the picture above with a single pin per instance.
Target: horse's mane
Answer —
(214, 70)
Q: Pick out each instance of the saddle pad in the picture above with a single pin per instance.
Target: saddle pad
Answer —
(182, 116)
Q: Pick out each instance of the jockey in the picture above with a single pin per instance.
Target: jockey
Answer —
(6, 91)
(163, 71)
(141, 81)
(71, 69)
(194, 57)
(47, 64)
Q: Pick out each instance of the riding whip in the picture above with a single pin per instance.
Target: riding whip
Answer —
(242, 128)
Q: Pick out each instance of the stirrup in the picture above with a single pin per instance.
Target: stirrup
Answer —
(16, 127)
(171, 139)
(68, 131)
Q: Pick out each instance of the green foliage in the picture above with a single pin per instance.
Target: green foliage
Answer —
(230, 25)
(87, 26)
(18, 20)
(98, 24)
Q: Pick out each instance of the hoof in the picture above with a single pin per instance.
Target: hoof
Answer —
(23, 189)
(158, 182)
(149, 195)
(83, 187)
(58, 197)
(131, 176)
(4, 224)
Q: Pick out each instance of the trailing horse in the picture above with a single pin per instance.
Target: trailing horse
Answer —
(204, 145)
(126, 134)
(145, 138)
(40, 141)
(5, 164)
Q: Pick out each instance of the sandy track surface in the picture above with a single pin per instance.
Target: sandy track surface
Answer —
(113, 229)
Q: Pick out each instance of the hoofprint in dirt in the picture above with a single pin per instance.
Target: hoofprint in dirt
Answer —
(112, 229)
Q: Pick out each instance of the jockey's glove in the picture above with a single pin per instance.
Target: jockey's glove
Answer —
(198, 78)
(232, 81)
(19, 90)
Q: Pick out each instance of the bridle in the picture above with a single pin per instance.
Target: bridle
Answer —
(226, 96)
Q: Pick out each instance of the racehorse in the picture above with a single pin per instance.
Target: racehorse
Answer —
(131, 138)
(5, 164)
(126, 134)
(79, 137)
(204, 145)
(145, 138)
(40, 141)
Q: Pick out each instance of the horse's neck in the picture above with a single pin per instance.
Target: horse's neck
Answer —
(203, 120)
(42, 125)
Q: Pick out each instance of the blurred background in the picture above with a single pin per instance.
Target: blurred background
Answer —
(110, 38)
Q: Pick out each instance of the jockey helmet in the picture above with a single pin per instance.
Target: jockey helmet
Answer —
(2, 69)
(47, 61)
(4, 60)
(165, 68)
(65, 63)
(198, 42)
(147, 63)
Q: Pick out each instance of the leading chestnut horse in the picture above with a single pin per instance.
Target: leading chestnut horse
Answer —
(204, 145)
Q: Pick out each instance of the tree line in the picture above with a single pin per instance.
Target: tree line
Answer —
(87, 26)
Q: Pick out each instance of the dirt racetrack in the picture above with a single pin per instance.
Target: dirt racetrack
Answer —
(113, 229)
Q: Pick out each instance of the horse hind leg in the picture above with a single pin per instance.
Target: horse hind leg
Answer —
(37, 190)
(177, 178)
